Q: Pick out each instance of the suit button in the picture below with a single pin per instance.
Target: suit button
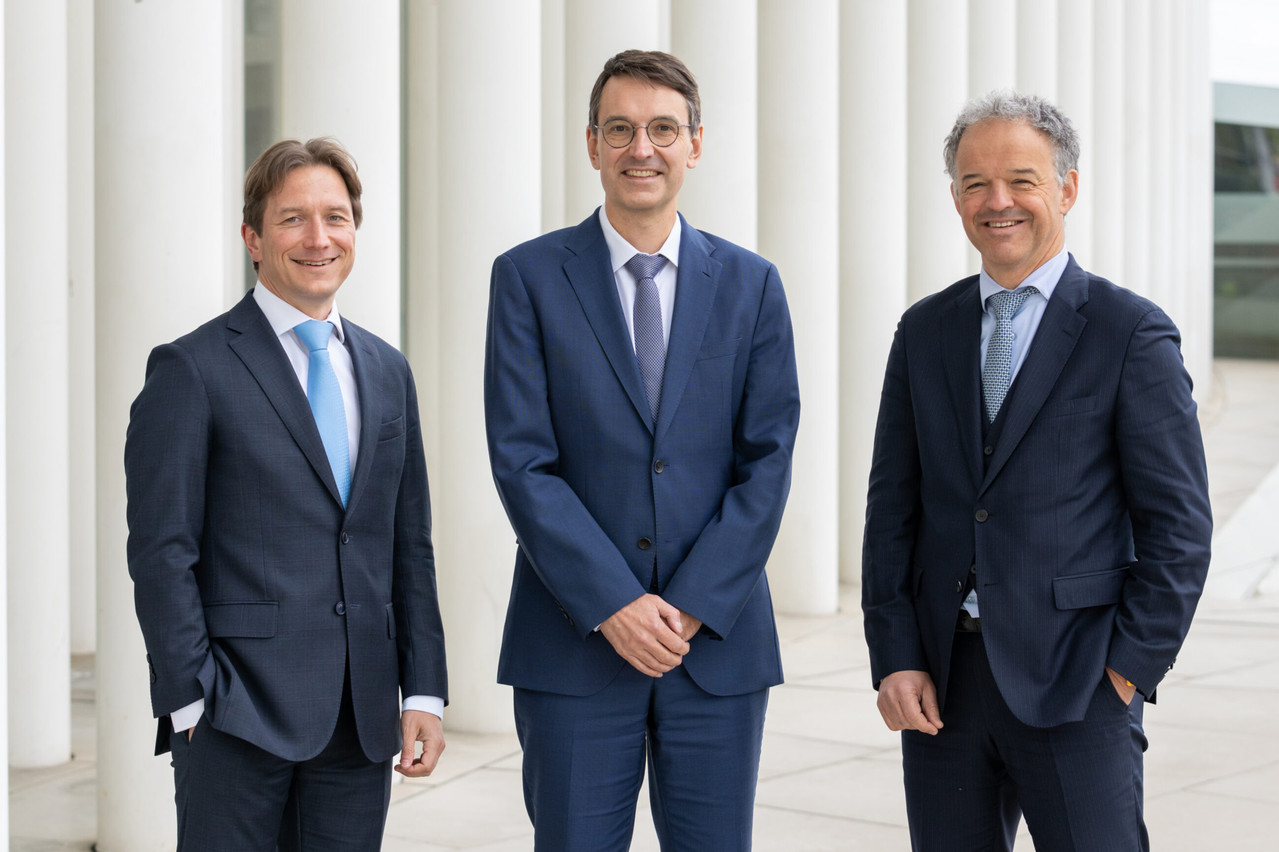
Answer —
(346, 537)
(988, 450)
(959, 585)
(659, 466)
(644, 543)
(981, 515)
(340, 609)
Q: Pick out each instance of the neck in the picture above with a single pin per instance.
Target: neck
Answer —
(647, 233)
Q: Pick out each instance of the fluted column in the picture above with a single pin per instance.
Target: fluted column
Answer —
(37, 394)
(872, 241)
(1104, 175)
(340, 76)
(474, 545)
(718, 41)
(594, 30)
(555, 125)
(993, 49)
(1158, 156)
(1037, 48)
(937, 86)
(83, 505)
(158, 275)
(1136, 173)
(1075, 85)
(1197, 330)
(799, 231)
(4, 477)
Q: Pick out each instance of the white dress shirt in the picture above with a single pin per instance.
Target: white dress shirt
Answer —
(620, 251)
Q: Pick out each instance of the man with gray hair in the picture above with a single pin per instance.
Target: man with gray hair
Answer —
(1037, 528)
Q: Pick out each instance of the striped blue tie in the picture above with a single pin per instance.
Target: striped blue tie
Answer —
(997, 372)
(325, 396)
(650, 341)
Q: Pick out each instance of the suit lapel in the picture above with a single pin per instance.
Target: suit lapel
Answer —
(255, 343)
(694, 297)
(961, 356)
(367, 366)
(1055, 340)
(590, 272)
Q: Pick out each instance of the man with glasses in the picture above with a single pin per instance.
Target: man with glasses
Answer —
(641, 402)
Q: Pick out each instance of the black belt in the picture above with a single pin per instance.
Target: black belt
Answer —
(967, 623)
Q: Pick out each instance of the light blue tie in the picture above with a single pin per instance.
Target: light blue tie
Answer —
(325, 396)
(996, 373)
(650, 341)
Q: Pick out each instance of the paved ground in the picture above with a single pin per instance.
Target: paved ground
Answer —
(831, 777)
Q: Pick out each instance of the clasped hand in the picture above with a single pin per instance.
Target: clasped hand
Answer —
(650, 634)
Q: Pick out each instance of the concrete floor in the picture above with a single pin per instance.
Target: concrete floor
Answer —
(830, 777)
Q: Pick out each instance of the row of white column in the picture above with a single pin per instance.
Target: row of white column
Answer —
(824, 121)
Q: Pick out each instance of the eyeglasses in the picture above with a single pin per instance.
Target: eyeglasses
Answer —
(662, 132)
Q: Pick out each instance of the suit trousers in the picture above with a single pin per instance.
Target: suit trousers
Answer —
(1077, 784)
(235, 797)
(584, 760)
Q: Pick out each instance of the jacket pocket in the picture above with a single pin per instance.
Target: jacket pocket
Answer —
(245, 619)
(719, 348)
(1099, 588)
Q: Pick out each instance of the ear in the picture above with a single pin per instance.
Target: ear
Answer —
(695, 148)
(252, 241)
(1069, 192)
(593, 148)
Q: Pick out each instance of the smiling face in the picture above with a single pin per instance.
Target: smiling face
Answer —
(1007, 194)
(642, 181)
(307, 245)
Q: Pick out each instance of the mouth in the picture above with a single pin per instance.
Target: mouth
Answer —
(315, 263)
(640, 173)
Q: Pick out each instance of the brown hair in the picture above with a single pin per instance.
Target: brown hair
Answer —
(655, 68)
(269, 170)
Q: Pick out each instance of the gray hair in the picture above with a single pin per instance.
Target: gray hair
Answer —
(1007, 105)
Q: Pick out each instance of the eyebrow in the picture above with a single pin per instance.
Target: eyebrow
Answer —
(604, 121)
(1023, 171)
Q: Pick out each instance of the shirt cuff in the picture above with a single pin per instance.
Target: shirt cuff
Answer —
(425, 703)
(188, 716)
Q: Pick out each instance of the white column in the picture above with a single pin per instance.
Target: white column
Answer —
(474, 545)
(83, 506)
(167, 189)
(594, 30)
(36, 401)
(993, 48)
(1158, 156)
(1136, 175)
(1037, 48)
(555, 144)
(4, 477)
(1197, 333)
(799, 231)
(1104, 170)
(340, 76)
(937, 85)
(718, 39)
(1075, 84)
(1179, 191)
(872, 241)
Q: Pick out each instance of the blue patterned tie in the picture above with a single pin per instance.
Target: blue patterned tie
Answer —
(996, 373)
(325, 396)
(650, 341)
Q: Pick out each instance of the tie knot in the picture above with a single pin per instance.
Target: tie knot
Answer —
(1008, 302)
(315, 334)
(645, 265)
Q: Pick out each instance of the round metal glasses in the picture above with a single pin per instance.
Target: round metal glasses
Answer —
(662, 132)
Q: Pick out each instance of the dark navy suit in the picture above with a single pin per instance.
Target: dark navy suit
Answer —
(1083, 511)
(607, 507)
(255, 589)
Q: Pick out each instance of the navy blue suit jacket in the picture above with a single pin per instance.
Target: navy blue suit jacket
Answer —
(595, 493)
(253, 586)
(1087, 520)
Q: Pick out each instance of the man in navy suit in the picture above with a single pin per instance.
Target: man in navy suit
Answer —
(1038, 528)
(642, 403)
(280, 541)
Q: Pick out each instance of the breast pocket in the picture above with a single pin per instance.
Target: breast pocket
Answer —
(719, 349)
(391, 429)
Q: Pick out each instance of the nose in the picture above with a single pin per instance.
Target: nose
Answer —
(641, 145)
(315, 234)
(999, 198)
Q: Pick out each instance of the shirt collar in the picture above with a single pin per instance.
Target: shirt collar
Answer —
(620, 251)
(283, 317)
(1044, 279)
